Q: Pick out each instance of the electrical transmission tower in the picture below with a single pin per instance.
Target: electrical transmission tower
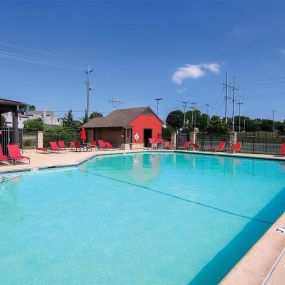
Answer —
(184, 105)
(157, 103)
(115, 103)
(193, 108)
(273, 118)
(89, 88)
(233, 101)
(239, 104)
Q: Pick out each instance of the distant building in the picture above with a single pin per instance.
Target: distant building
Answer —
(47, 117)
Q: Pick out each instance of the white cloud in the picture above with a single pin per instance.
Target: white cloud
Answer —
(194, 71)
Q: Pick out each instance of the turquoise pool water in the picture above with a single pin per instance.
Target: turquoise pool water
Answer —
(150, 218)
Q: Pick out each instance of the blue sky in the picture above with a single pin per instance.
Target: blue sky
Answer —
(140, 50)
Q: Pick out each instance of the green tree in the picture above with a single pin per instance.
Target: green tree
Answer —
(175, 119)
(33, 125)
(68, 120)
(95, 115)
(216, 125)
(3, 123)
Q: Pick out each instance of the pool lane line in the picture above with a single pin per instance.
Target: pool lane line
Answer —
(178, 197)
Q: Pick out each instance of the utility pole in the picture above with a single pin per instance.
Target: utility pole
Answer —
(208, 116)
(89, 88)
(115, 103)
(157, 103)
(233, 101)
(193, 108)
(273, 117)
(239, 103)
(184, 105)
(226, 97)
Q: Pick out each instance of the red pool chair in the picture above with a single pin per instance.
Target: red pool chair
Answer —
(75, 145)
(55, 147)
(2, 156)
(186, 145)
(167, 144)
(194, 146)
(108, 145)
(220, 147)
(236, 148)
(61, 144)
(101, 144)
(91, 145)
(15, 153)
(152, 142)
(282, 149)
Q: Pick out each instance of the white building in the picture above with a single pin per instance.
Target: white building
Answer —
(47, 117)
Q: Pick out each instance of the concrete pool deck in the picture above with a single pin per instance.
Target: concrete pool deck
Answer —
(263, 264)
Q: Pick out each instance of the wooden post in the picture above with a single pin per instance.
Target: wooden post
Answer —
(15, 126)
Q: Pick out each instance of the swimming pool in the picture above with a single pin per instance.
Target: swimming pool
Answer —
(145, 218)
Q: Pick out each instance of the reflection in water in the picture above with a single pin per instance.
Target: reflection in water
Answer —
(10, 209)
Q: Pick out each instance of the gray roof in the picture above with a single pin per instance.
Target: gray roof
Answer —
(118, 118)
(10, 105)
(32, 113)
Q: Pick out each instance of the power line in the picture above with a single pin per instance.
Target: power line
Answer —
(42, 61)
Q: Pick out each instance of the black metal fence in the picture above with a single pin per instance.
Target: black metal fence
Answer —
(259, 142)
(206, 140)
(6, 137)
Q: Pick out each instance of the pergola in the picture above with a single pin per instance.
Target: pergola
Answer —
(7, 106)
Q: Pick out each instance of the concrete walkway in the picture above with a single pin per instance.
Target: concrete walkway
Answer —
(43, 160)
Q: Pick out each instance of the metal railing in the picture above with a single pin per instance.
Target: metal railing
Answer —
(6, 137)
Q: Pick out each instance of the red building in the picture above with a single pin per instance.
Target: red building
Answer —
(133, 125)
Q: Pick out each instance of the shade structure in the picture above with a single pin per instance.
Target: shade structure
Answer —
(83, 134)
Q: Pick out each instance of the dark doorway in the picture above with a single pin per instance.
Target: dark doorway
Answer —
(147, 134)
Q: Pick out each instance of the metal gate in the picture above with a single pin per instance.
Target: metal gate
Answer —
(6, 137)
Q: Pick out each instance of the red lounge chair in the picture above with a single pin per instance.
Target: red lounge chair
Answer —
(108, 145)
(167, 144)
(91, 145)
(75, 144)
(194, 146)
(2, 156)
(220, 147)
(186, 145)
(101, 144)
(61, 144)
(15, 154)
(236, 148)
(282, 149)
(159, 141)
(44, 149)
(55, 147)
(151, 142)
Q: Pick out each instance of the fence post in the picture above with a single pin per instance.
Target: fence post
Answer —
(193, 136)
(174, 140)
(40, 139)
(232, 138)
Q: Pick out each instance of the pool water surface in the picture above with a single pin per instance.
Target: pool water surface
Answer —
(145, 218)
